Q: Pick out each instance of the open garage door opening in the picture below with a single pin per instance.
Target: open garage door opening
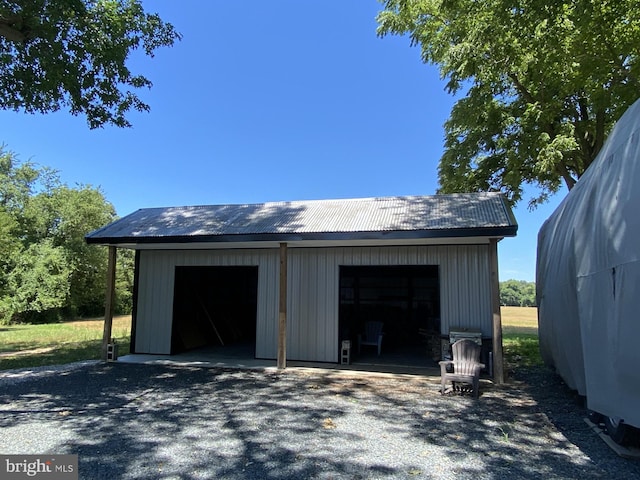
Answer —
(405, 299)
(214, 306)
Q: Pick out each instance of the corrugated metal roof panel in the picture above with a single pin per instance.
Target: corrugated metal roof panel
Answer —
(473, 211)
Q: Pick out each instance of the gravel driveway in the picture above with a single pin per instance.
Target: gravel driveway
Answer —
(130, 421)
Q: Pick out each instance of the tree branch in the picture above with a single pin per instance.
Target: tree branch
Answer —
(566, 176)
(521, 88)
(582, 135)
(10, 28)
(600, 134)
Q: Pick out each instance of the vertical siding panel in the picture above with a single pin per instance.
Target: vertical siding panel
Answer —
(484, 280)
(321, 327)
(267, 325)
(314, 321)
(447, 284)
(308, 324)
(294, 301)
(158, 271)
(299, 347)
(326, 304)
(144, 301)
(273, 306)
(166, 315)
(312, 338)
(463, 293)
(310, 341)
(453, 290)
(464, 289)
(155, 305)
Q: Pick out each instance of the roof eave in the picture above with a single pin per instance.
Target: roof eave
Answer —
(492, 232)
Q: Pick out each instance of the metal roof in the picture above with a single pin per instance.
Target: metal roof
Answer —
(456, 215)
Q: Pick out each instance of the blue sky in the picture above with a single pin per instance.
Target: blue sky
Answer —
(267, 101)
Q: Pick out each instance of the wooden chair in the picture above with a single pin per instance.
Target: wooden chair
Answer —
(466, 366)
(372, 336)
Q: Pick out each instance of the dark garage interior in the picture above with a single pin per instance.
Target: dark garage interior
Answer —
(214, 306)
(405, 298)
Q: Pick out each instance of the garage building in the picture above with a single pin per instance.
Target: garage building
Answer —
(211, 275)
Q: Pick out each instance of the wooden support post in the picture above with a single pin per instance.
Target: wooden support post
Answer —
(282, 316)
(109, 300)
(498, 365)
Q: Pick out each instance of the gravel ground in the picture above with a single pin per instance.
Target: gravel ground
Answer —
(138, 421)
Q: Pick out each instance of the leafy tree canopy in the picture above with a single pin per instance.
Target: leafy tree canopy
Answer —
(545, 80)
(518, 293)
(72, 53)
(47, 271)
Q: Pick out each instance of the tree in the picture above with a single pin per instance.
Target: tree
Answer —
(9, 246)
(63, 216)
(518, 293)
(73, 53)
(545, 80)
(39, 281)
(47, 271)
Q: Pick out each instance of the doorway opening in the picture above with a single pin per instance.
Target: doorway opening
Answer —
(214, 306)
(406, 299)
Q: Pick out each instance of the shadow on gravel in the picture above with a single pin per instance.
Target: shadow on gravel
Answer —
(141, 421)
(566, 411)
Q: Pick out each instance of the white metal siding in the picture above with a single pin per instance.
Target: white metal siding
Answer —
(313, 301)
(313, 296)
(155, 304)
(312, 311)
(155, 294)
(465, 289)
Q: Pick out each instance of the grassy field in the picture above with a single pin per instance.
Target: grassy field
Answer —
(57, 343)
(51, 344)
(519, 320)
(520, 336)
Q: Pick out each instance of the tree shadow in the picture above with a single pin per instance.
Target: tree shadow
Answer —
(142, 421)
(566, 411)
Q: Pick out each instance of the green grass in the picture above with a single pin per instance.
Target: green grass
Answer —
(23, 346)
(520, 337)
(51, 344)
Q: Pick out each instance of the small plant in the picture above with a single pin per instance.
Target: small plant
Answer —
(504, 434)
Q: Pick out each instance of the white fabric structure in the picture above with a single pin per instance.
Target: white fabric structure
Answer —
(588, 278)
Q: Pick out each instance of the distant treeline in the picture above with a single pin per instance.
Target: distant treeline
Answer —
(518, 293)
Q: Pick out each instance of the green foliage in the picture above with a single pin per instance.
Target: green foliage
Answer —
(9, 246)
(47, 271)
(125, 265)
(521, 350)
(517, 293)
(65, 216)
(73, 53)
(545, 81)
(39, 280)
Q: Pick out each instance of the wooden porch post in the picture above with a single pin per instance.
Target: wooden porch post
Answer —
(282, 316)
(109, 300)
(498, 366)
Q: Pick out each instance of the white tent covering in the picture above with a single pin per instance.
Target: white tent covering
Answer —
(588, 278)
